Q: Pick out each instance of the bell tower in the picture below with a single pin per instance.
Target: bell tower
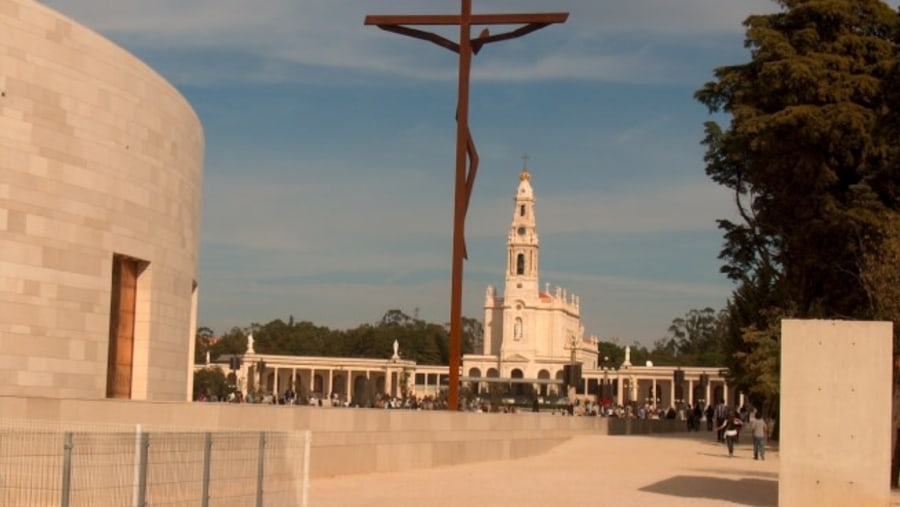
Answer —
(522, 245)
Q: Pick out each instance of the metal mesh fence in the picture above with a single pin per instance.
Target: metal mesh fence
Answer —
(45, 466)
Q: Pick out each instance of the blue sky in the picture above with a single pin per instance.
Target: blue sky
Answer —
(330, 154)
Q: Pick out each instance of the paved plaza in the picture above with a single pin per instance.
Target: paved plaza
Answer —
(626, 471)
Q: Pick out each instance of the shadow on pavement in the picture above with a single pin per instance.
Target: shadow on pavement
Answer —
(756, 492)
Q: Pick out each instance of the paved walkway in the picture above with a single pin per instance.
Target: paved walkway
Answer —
(627, 471)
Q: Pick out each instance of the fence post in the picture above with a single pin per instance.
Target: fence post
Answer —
(307, 438)
(67, 470)
(141, 491)
(261, 469)
(207, 455)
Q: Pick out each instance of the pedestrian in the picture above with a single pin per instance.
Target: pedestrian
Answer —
(729, 429)
(760, 429)
(722, 412)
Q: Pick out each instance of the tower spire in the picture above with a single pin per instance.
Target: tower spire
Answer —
(522, 244)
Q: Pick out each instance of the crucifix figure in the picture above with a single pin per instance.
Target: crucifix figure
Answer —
(466, 154)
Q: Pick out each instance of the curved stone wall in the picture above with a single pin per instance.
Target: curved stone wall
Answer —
(100, 163)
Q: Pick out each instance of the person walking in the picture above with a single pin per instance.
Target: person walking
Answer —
(760, 429)
(729, 429)
(722, 412)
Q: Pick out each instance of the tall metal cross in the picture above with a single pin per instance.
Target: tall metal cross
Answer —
(466, 155)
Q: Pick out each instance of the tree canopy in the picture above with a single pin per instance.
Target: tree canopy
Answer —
(423, 342)
(808, 156)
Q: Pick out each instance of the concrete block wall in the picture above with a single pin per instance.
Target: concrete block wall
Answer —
(835, 416)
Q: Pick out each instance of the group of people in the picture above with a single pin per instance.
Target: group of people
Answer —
(730, 422)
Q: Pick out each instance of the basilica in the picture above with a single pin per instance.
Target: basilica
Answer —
(529, 333)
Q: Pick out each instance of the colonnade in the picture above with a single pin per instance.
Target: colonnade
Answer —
(657, 386)
(359, 380)
(347, 379)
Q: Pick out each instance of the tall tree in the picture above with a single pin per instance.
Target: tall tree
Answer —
(807, 156)
(697, 338)
(232, 342)
(881, 277)
(801, 154)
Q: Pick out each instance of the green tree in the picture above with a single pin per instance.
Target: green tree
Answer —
(210, 382)
(232, 342)
(810, 160)
(610, 354)
(697, 338)
(801, 154)
(472, 335)
(203, 341)
(881, 277)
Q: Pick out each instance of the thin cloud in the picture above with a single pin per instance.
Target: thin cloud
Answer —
(287, 39)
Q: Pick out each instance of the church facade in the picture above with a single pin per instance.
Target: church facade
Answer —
(529, 333)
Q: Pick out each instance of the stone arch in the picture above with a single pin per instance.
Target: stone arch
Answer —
(318, 384)
(560, 376)
(476, 386)
(360, 391)
(543, 389)
(518, 388)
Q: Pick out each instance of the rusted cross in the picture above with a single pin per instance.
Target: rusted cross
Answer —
(466, 154)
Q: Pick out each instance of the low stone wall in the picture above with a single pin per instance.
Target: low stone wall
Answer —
(344, 440)
(631, 426)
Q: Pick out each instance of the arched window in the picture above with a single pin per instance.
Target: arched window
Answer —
(522, 210)
(520, 264)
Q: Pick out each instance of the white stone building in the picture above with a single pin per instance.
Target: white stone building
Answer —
(101, 173)
(529, 333)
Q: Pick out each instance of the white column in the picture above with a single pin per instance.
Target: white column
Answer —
(312, 380)
(672, 393)
(330, 388)
(655, 394)
(276, 391)
(690, 393)
(709, 399)
(725, 392)
(347, 380)
(619, 390)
